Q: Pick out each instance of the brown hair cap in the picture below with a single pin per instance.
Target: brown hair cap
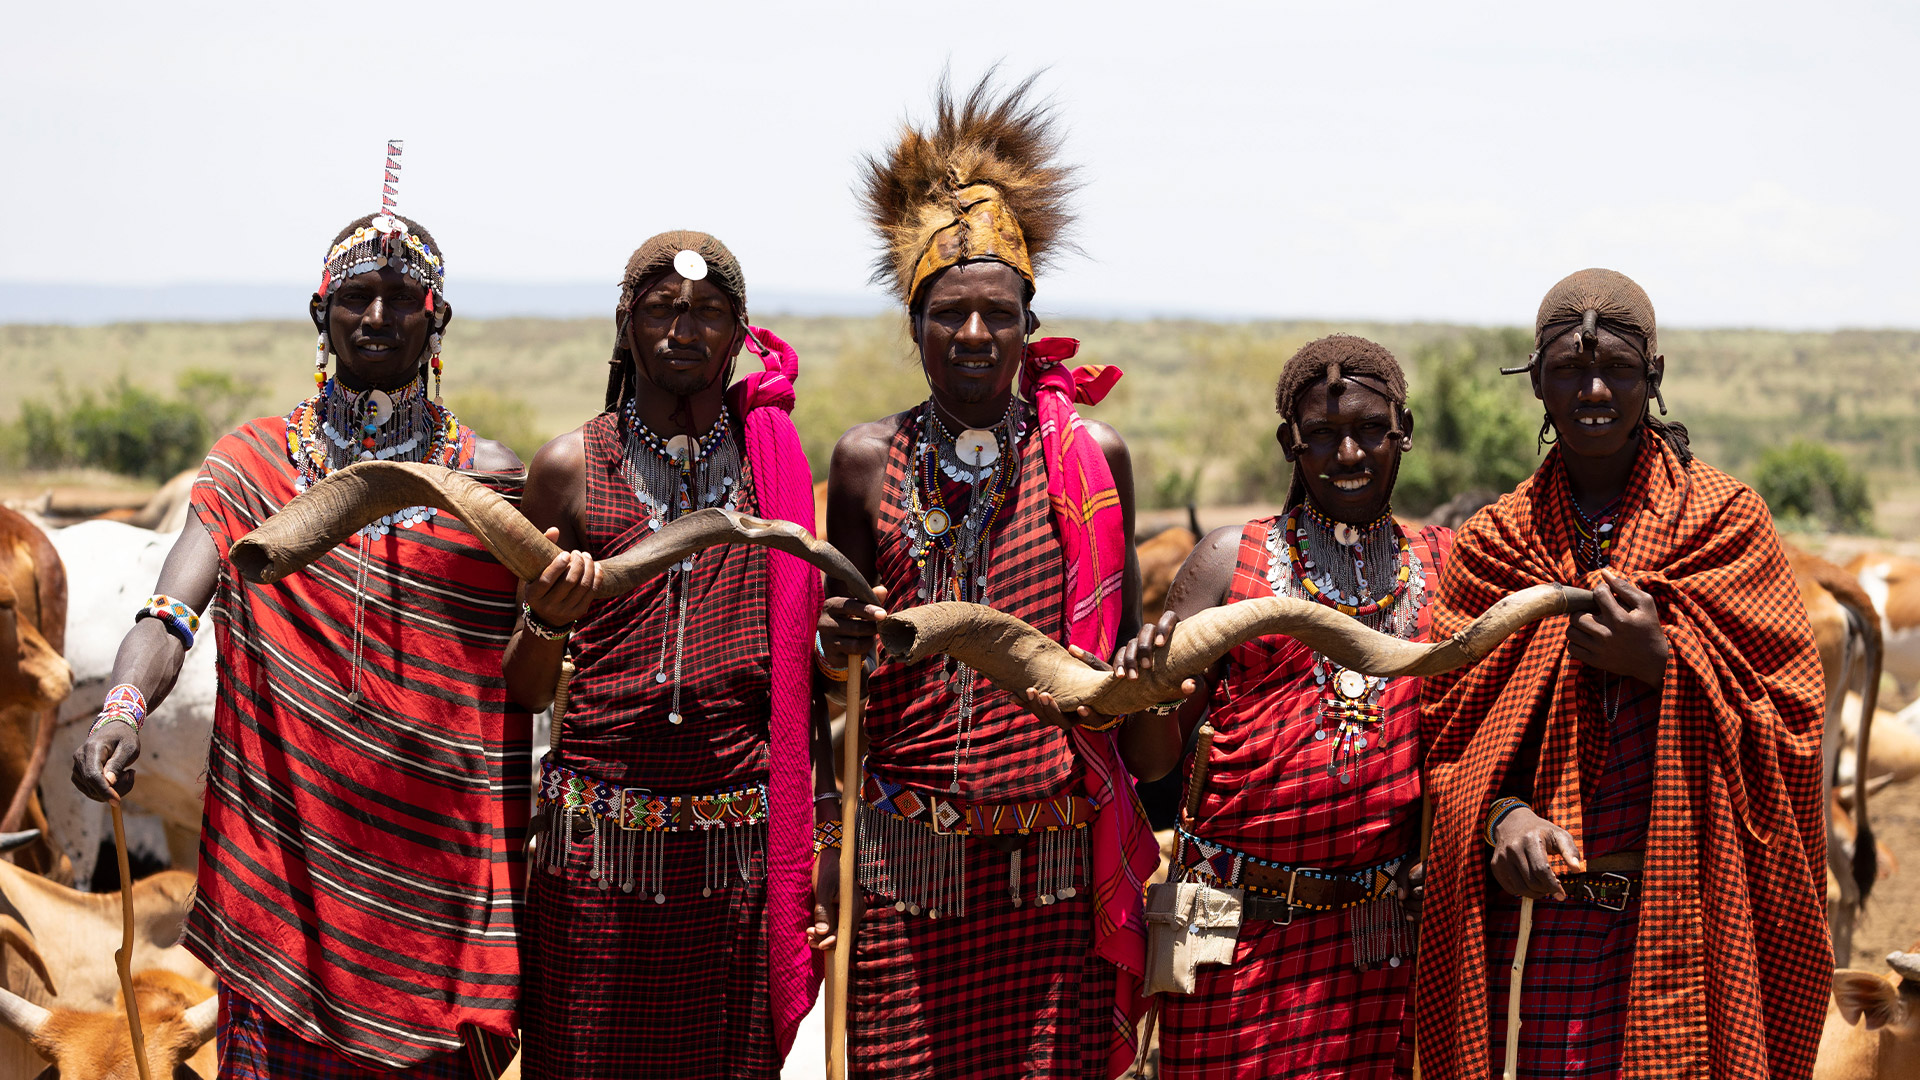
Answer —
(655, 257)
(1611, 295)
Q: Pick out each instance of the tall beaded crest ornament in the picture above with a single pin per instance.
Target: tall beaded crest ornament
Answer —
(676, 476)
(338, 426)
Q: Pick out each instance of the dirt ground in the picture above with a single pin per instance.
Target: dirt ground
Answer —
(1891, 920)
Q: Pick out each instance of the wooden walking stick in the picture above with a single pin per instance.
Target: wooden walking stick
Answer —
(1426, 845)
(123, 958)
(840, 972)
(1513, 988)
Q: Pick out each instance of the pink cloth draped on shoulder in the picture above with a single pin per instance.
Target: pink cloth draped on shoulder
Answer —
(1086, 509)
(784, 484)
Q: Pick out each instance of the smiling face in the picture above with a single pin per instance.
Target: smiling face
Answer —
(1350, 453)
(971, 331)
(378, 324)
(1596, 395)
(683, 335)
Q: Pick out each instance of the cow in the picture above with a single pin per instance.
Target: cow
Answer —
(177, 1019)
(1893, 581)
(59, 954)
(1846, 630)
(34, 678)
(1873, 1024)
(122, 564)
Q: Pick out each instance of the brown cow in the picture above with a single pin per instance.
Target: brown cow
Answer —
(34, 679)
(61, 953)
(1846, 628)
(1893, 582)
(177, 1017)
(1160, 557)
(1873, 1024)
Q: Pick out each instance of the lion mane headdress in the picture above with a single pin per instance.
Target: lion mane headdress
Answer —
(982, 183)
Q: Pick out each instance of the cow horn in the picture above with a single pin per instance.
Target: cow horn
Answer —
(11, 840)
(15, 935)
(1907, 964)
(331, 511)
(22, 1015)
(1015, 656)
(200, 1021)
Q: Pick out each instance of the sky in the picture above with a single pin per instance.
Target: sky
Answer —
(1751, 164)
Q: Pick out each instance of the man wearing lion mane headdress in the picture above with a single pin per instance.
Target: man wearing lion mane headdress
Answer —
(1001, 848)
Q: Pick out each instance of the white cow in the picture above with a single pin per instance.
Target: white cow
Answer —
(111, 569)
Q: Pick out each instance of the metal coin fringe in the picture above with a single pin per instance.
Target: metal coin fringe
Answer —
(636, 859)
(925, 872)
(1381, 933)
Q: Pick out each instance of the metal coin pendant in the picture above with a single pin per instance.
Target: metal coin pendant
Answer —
(977, 448)
(936, 522)
(690, 264)
(1351, 684)
(683, 449)
(382, 405)
(1345, 534)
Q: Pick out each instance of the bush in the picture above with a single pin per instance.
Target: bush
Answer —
(504, 419)
(1805, 483)
(130, 430)
(1472, 427)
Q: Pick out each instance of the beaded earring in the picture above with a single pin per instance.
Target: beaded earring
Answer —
(320, 361)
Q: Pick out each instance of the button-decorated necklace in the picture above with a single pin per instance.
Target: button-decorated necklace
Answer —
(676, 476)
(337, 427)
(953, 555)
(1350, 713)
(1593, 548)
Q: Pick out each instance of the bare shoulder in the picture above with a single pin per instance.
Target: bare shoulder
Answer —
(492, 456)
(564, 456)
(861, 453)
(1204, 577)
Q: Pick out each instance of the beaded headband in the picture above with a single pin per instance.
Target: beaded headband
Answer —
(384, 241)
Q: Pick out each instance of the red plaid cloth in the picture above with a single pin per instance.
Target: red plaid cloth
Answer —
(912, 719)
(616, 726)
(1736, 840)
(253, 1047)
(1292, 1004)
(360, 865)
(1002, 992)
(624, 987)
(1573, 1006)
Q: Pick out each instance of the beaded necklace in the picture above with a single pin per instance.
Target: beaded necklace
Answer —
(1350, 713)
(671, 477)
(953, 556)
(397, 425)
(1593, 548)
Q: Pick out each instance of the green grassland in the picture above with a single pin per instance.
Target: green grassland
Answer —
(1196, 405)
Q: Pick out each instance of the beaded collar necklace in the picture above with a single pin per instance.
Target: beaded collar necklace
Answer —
(337, 427)
(953, 557)
(1593, 536)
(671, 477)
(1355, 543)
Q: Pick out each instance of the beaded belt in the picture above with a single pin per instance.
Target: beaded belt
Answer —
(628, 830)
(1304, 888)
(574, 792)
(944, 814)
(913, 847)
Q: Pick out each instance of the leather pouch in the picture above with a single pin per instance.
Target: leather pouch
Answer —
(1188, 924)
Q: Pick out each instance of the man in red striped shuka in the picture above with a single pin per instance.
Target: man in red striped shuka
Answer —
(367, 788)
(1001, 847)
(671, 901)
(1303, 784)
(1647, 775)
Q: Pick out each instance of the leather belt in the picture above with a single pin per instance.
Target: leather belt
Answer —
(1276, 891)
(1609, 881)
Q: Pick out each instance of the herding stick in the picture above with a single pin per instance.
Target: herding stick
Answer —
(1513, 988)
(123, 959)
(840, 974)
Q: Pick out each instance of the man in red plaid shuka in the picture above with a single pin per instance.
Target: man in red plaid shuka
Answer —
(670, 901)
(1001, 847)
(1650, 772)
(1307, 794)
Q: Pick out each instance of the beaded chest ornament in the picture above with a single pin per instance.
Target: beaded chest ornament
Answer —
(953, 556)
(1350, 715)
(671, 477)
(1593, 539)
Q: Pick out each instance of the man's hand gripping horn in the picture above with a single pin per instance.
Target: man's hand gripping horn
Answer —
(1015, 656)
(330, 512)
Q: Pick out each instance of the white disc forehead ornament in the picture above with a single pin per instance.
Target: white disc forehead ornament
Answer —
(688, 264)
